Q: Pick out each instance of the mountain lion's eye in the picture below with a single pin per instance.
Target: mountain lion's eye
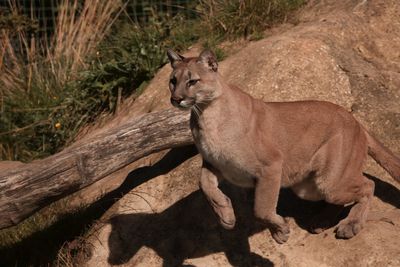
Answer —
(192, 82)
(173, 81)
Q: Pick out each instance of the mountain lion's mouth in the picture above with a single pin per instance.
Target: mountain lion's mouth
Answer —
(186, 104)
(181, 104)
(183, 108)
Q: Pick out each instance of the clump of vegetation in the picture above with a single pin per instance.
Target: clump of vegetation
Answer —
(49, 91)
(35, 77)
(126, 60)
(237, 18)
(16, 22)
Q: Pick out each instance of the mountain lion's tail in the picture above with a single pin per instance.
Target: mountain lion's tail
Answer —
(384, 157)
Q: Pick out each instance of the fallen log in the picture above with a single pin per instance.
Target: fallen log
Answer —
(29, 187)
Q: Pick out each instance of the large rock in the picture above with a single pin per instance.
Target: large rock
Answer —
(347, 52)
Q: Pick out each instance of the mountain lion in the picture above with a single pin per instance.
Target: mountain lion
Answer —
(316, 148)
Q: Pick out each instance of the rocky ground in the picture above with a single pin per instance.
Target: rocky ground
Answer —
(347, 52)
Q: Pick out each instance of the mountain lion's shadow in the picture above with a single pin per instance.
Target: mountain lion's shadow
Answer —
(189, 228)
(385, 191)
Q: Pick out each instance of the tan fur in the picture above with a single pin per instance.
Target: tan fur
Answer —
(316, 148)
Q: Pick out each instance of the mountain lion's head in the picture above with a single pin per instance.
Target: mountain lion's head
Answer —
(193, 81)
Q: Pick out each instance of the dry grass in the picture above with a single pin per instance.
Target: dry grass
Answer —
(34, 74)
(77, 37)
(78, 32)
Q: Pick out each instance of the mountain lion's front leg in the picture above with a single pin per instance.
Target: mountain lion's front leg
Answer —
(219, 201)
(266, 199)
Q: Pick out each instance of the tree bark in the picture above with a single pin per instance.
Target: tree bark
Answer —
(32, 186)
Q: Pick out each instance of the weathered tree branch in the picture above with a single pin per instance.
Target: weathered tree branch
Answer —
(35, 185)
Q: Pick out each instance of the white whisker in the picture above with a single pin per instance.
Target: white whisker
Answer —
(197, 110)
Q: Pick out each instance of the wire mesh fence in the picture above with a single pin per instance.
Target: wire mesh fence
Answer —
(139, 11)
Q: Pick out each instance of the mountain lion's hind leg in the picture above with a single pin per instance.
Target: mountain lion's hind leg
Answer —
(354, 222)
(266, 200)
(219, 201)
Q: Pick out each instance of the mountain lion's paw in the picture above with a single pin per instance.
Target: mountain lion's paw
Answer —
(348, 229)
(281, 233)
(227, 218)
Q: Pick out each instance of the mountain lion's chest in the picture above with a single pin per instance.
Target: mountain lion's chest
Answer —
(224, 154)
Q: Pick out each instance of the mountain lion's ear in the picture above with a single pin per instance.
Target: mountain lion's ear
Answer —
(174, 58)
(209, 59)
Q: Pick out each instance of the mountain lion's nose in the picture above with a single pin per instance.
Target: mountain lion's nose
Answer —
(176, 99)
